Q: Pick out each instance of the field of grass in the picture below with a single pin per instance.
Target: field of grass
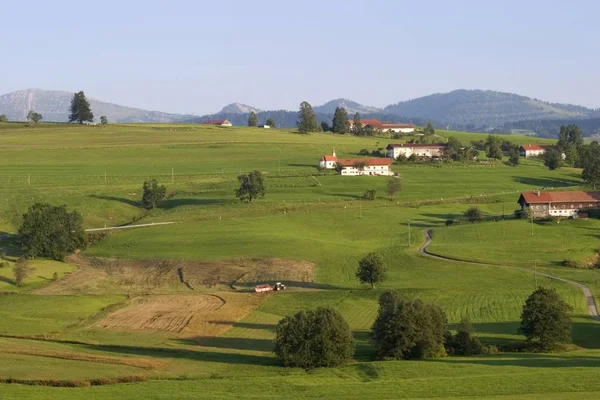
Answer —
(305, 216)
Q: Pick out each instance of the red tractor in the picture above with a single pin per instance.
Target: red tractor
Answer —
(268, 288)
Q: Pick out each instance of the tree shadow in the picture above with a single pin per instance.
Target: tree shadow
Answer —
(123, 200)
(173, 203)
(528, 360)
(230, 343)
(246, 325)
(301, 165)
(9, 245)
(546, 182)
(7, 280)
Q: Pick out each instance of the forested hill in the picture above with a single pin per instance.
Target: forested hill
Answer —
(551, 127)
(485, 108)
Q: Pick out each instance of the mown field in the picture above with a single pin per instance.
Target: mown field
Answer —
(67, 329)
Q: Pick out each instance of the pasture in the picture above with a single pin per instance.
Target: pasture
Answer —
(172, 305)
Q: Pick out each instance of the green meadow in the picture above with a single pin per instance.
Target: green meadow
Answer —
(306, 216)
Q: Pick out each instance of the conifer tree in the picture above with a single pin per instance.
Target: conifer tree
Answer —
(252, 119)
(307, 120)
(340, 121)
(357, 126)
(80, 109)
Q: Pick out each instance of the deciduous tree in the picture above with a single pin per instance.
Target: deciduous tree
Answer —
(473, 215)
(312, 339)
(103, 120)
(251, 187)
(154, 194)
(552, 159)
(271, 123)
(394, 185)
(357, 126)
(493, 147)
(80, 109)
(546, 319)
(34, 117)
(3, 118)
(371, 270)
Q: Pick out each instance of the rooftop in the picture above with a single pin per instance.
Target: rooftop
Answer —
(560, 197)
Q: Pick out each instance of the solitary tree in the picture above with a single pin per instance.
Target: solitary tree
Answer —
(3, 118)
(307, 120)
(429, 130)
(591, 172)
(252, 119)
(552, 159)
(153, 195)
(22, 270)
(546, 320)
(34, 117)
(394, 185)
(103, 120)
(49, 231)
(271, 123)
(251, 187)
(371, 269)
(312, 339)
(357, 126)
(473, 215)
(493, 147)
(514, 158)
(340, 121)
(80, 109)
(408, 329)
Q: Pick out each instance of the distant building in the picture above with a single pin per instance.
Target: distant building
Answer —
(218, 122)
(264, 126)
(558, 204)
(419, 149)
(384, 126)
(328, 162)
(531, 150)
(366, 166)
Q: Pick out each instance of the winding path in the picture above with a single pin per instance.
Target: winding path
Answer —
(591, 304)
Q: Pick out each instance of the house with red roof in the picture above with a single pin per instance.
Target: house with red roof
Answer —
(366, 166)
(531, 150)
(384, 126)
(218, 122)
(328, 162)
(558, 204)
(419, 149)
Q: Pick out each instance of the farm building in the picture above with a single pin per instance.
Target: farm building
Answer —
(218, 122)
(531, 150)
(366, 166)
(328, 162)
(419, 149)
(385, 126)
(558, 204)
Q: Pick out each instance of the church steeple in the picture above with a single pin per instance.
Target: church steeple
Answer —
(334, 152)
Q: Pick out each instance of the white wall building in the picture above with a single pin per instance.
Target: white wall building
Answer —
(328, 162)
(531, 150)
(366, 166)
(419, 149)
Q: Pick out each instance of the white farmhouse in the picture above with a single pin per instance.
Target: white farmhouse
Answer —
(419, 149)
(366, 166)
(531, 150)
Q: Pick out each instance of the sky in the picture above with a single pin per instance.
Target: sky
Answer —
(187, 56)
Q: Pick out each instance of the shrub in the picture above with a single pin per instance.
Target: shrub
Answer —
(546, 320)
(450, 222)
(473, 215)
(370, 194)
(21, 271)
(463, 344)
(363, 152)
(408, 329)
(153, 195)
(311, 339)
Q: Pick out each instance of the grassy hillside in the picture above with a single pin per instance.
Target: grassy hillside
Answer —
(309, 231)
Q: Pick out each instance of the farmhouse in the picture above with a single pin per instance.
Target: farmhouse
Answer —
(366, 166)
(385, 126)
(531, 150)
(218, 122)
(558, 204)
(419, 149)
(328, 162)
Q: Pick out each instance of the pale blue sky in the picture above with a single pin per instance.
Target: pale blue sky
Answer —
(197, 56)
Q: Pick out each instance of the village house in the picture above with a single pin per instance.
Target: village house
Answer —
(419, 149)
(558, 204)
(366, 166)
(385, 126)
(218, 122)
(531, 150)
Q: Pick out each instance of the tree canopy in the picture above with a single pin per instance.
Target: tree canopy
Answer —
(103, 120)
(271, 123)
(153, 195)
(408, 329)
(3, 118)
(312, 339)
(340, 122)
(394, 185)
(307, 120)
(371, 269)
(252, 119)
(251, 187)
(493, 147)
(473, 215)
(357, 126)
(80, 110)
(546, 319)
(50, 231)
(552, 159)
(34, 117)
(429, 130)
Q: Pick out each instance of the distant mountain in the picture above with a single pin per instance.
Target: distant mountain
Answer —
(238, 108)
(551, 127)
(351, 107)
(54, 107)
(485, 108)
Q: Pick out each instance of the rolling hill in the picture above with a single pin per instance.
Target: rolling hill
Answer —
(54, 107)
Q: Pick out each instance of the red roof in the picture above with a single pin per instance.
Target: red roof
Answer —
(329, 158)
(368, 161)
(215, 122)
(373, 122)
(530, 147)
(560, 197)
(417, 145)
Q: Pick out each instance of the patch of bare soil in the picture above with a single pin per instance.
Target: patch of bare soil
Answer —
(142, 277)
(160, 313)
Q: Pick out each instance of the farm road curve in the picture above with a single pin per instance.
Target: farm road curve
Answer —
(589, 298)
